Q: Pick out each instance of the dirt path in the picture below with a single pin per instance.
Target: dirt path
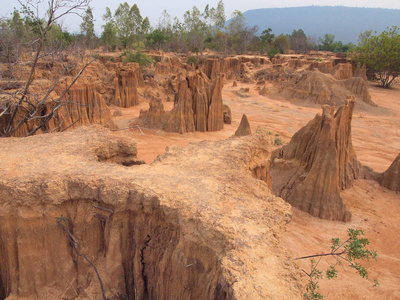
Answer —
(376, 138)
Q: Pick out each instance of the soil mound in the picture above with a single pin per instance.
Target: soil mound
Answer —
(391, 177)
(244, 127)
(318, 163)
(198, 223)
(320, 88)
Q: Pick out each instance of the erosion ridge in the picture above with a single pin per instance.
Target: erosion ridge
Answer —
(197, 223)
(318, 163)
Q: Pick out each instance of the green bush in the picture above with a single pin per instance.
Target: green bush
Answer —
(191, 60)
(138, 57)
(278, 142)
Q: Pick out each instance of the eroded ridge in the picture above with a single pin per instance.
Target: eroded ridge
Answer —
(195, 224)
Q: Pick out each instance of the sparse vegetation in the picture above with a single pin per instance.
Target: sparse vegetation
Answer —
(138, 57)
(348, 252)
(278, 142)
(191, 60)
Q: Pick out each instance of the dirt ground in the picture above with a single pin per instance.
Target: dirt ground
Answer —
(376, 138)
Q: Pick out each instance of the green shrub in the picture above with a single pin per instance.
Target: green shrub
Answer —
(347, 252)
(278, 142)
(191, 60)
(138, 57)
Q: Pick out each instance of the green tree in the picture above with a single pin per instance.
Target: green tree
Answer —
(235, 29)
(381, 54)
(17, 25)
(109, 34)
(298, 41)
(128, 22)
(327, 42)
(195, 28)
(145, 26)
(87, 26)
(281, 44)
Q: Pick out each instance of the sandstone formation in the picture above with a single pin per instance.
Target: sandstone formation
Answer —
(321, 88)
(198, 223)
(170, 67)
(230, 66)
(227, 114)
(263, 91)
(82, 105)
(342, 71)
(243, 92)
(318, 163)
(361, 71)
(390, 179)
(244, 127)
(155, 116)
(128, 79)
(197, 105)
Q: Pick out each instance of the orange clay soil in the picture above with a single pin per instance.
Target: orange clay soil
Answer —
(376, 210)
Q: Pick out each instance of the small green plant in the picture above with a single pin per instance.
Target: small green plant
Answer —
(61, 219)
(112, 59)
(278, 142)
(270, 132)
(138, 57)
(191, 60)
(276, 134)
(349, 252)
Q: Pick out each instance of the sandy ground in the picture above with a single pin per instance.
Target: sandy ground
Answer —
(376, 138)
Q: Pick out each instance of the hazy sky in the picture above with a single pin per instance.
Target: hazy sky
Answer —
(153, 8)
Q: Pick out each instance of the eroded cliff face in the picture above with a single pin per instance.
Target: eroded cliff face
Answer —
(81, 105)
(197, 106)
(127, 81)
(318, 163)
(199, 223)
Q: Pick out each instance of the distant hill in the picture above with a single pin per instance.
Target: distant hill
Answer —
(346, 23)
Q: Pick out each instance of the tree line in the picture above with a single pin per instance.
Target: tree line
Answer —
(126, 29)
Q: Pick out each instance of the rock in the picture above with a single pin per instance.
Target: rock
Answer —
(118, 151)
(263, 91)
(318, 163)
(197, 105)
(117, 113)
(155, 117)
(243, 92)
(234, 84)
(227, 114)
(127, 81)
(185, 227)
(342, 71)
(361, 71)
(391, 177)
(167, 69)
(244, 127)
(230, 66)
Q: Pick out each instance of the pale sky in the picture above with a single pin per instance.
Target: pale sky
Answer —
(153, 8)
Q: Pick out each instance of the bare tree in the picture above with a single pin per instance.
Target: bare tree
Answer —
(23, 106)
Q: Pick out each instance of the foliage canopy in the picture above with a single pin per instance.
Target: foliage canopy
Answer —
(381, 54)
